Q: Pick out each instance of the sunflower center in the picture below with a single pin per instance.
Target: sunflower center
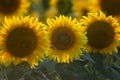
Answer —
(100, 34)
(63, 6)
(9, 6)
(63, 38)
(111, 7)
(21, 42)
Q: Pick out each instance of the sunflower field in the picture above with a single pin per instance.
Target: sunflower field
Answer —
(59, 39)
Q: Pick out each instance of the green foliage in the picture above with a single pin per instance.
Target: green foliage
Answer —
(88, 67)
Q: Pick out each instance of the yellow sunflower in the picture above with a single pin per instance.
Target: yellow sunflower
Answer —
(82, 7)
(13, 7)
(110, 7)
(66, 39)
(63, 6)
(22, 39)
(102, 33)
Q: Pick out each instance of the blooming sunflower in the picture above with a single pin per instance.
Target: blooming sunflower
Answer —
(13, 7)
(81, 8)
(63, 6)
(22, 39)
(110, 7)
(66, 39)
(102, 33)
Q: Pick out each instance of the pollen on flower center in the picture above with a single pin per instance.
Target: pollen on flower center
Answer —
(9, 6)
(21, 42)
(63, 38)
(100, 34)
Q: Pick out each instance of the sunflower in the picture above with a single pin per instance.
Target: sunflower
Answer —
(110, 7)
(63, 6)
(66, 39)
(82, 7)
(102, 33)
(13, 7)
(22, 39)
